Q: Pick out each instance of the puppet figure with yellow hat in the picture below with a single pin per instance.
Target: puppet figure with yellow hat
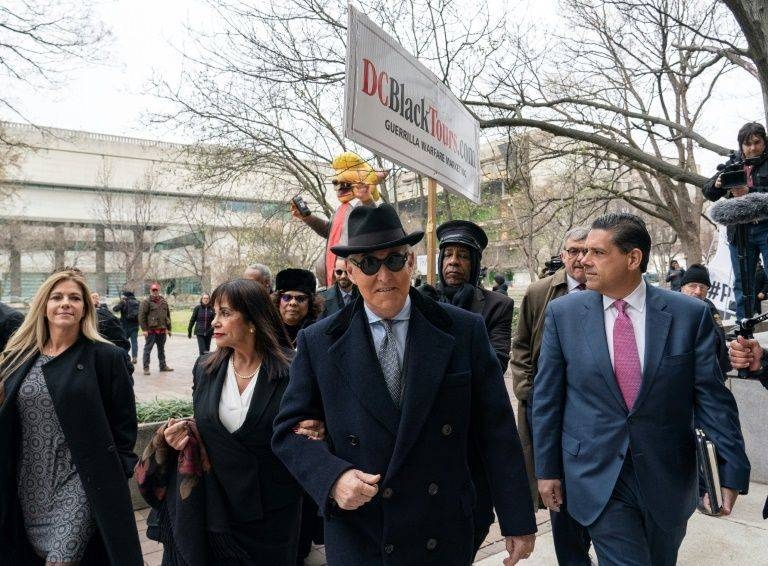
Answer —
(354, 179)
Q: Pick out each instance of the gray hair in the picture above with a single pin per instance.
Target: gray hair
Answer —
(263, 269)
(577, 234)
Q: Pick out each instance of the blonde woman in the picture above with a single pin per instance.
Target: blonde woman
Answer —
(67, 430)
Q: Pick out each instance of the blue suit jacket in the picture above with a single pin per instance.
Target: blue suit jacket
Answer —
(583, 430)
(454, 395)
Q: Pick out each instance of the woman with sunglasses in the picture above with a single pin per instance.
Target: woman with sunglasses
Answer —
(297, 301)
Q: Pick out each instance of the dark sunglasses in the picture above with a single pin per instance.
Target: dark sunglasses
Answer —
(287, 298)
(370, 265)
(339, 272)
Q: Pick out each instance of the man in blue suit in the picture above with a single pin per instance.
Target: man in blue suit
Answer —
(624, 372)
(404, 385)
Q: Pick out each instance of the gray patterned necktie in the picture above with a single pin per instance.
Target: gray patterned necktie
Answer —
(390, 361)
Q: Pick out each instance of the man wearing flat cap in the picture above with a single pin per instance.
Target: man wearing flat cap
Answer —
(405, 385)
(461, 249)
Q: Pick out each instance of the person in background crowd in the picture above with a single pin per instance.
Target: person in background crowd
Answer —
(299, 307)
(155, 322)
(500, 284)
(405, 385)
(202, 322)
(108, 324)
(752, 146)
(461, 251)
(10, 320)
(250, 502)
(261, 274)
(128, 307)
(297, 301)
(341, 293)
(570, 538)
(696, 283)
(614, 406)
(67, 430)
(674, 275)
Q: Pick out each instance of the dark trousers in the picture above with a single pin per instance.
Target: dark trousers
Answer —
(149, 342)
(625, 534)
(132, 333)
(311, 527)
(481, 532)
(571, 538)
(204, 343)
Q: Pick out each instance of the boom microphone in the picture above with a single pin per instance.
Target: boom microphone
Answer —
(741, 210)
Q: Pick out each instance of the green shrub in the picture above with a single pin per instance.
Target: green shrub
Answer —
(162, 410)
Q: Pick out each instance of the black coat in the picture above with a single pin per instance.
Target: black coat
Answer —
(110, 328)
(92, 392)
(201, 320)
(333, 300)
(10, 320)
(259, 493)
(454, 396)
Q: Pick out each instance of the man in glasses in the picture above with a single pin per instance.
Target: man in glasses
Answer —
(404, 385)
(342, 293)
(571, 539)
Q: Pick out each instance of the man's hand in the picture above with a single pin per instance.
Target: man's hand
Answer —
(354, 489)
(519, 548)
(745, 354)
(729, 500)
(312, 429)
(551, 492)
(739, 191)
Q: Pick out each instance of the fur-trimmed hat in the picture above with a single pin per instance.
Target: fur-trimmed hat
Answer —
(292, 279)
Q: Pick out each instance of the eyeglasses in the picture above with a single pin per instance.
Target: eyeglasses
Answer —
(288, 297)
(339, 272)
(575, 252)
(370, 265)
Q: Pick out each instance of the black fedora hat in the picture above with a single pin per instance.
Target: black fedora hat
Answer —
(372, 228)
(462, 232)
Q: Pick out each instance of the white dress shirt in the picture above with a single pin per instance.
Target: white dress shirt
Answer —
(573, 285)
(233, 406)
(399, 329)
(635, 310)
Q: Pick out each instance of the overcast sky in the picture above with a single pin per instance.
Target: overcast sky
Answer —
(115, 96)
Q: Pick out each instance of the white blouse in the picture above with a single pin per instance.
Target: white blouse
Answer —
(233, 407)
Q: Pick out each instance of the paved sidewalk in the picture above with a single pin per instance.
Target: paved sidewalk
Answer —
(180, 354)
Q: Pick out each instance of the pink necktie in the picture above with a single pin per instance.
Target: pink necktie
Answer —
(626, 361)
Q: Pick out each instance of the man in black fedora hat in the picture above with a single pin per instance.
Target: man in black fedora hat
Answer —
(405, 385)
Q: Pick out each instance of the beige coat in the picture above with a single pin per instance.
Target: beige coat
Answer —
(526, 344)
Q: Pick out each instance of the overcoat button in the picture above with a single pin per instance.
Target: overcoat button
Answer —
(389, 549)
(433, 489)
(387, 493)
(432, 544)
(111, 448)
(446, 430)
(79, 366)
(353, 440)
(621, 456)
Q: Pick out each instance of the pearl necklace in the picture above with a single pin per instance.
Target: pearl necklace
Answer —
(245, 377)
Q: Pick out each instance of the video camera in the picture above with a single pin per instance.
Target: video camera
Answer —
(733, 174)
(554, 263)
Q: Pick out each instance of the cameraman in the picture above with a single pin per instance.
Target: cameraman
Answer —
(752, 147)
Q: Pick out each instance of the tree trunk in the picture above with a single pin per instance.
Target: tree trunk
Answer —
(752, 17)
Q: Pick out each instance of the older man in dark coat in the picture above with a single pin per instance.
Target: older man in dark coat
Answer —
(461, 250)
(405, 386)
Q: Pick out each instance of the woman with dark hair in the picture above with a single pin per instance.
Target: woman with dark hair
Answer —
(675, 275)
(67, 430)
(251, 502)
(202, 323)
(297, 301)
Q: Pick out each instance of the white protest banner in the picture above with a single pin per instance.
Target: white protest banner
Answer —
(721, 276)
(399, 109)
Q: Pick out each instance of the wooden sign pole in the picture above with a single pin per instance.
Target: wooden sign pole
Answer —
(431, 240)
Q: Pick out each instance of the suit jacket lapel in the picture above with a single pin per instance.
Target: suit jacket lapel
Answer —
(356, 360)
(478, 302)
(263, 391)
(594, 326)
(423, 369)
(12, 383)
(657, 324)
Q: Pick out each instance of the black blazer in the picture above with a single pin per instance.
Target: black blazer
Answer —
(333, 301)
(92, 392)
(252, 479)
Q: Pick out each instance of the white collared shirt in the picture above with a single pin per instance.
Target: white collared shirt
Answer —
(635, 311)
(399, 329)
(233, 406)
(572, 284)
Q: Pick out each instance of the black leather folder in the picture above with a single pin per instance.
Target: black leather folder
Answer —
(706, 452)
